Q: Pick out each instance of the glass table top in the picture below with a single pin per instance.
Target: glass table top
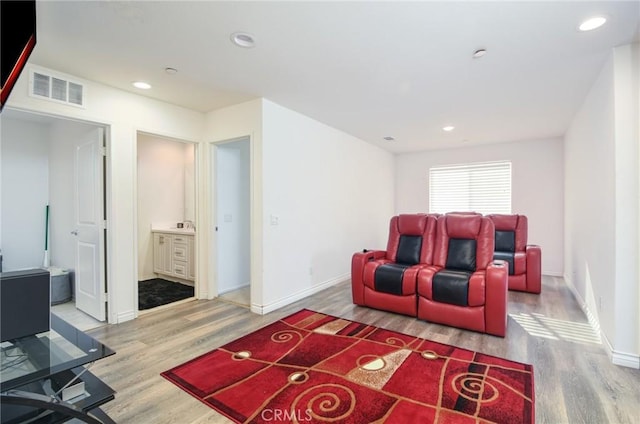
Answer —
(32, 358)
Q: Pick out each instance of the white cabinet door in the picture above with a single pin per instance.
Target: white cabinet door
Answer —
(157, 253)
(191, 272)
(162, 253)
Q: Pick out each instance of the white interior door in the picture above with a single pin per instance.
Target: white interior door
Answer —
(90, 289)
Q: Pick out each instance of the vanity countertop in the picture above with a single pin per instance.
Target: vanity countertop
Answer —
(174, 230)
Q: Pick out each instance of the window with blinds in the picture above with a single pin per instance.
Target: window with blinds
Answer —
(478, 187)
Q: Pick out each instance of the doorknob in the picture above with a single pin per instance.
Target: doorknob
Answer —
(74, 232)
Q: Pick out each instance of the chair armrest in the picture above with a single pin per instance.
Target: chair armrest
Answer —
(358, 261)
(534, 268)
(496, 298)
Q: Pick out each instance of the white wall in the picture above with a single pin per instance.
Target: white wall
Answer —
(47, 159)
(626, 345)
(362, 197)
(233, 215)
(332, 195)
(536, 191)
(25, 193)
(190, 182)
(124, 114)
(162, 188)
(590, 200)
(601, 191)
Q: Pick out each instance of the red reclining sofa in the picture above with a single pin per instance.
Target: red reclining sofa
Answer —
(436, 268)
(524, 259)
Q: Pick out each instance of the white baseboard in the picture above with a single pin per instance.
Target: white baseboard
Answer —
(265, 309)
(625, 359)
(553, 273)
(124, 317)
(617, 358)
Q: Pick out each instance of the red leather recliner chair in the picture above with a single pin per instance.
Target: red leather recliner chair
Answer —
(386, 279)
(464, 288)
(511, 245)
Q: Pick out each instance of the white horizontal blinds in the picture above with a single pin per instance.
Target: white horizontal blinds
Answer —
(478, 187)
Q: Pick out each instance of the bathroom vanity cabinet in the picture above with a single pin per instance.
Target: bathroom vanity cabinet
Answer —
(173, 253)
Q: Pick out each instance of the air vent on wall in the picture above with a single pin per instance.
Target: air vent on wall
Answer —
(55, 88)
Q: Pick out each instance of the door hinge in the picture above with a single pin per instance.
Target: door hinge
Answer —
(103, 151)
(104, 224)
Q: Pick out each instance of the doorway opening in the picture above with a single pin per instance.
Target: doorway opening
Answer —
(54, 204)
(231, 211)
(166, 183)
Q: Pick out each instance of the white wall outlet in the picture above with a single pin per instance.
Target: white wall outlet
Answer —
(228, 217)
(274, 220)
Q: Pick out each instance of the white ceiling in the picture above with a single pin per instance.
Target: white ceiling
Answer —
(371, 69)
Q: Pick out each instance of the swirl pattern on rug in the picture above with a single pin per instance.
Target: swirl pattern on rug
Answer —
(315, 368)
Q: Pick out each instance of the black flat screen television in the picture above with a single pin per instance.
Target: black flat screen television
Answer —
(25, 303)
(17, 41)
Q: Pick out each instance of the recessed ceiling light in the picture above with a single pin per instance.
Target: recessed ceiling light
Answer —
(448, 128)
(243, 39)
(389, 138)
(142, 85)
(479, 53)
(592, 23)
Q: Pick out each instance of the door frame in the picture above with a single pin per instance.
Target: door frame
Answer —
(107, 197)
(199, 289)
(214, 157)
(213, 215)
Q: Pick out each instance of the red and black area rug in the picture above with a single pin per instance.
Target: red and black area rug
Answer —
(311, 367)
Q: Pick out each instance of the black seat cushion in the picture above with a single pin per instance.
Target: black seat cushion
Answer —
(451, 287)
(388, 278)
(505, 241)
(461, 255)
(506, 256)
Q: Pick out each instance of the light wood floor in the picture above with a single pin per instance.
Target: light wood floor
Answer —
(241, 297)
(575, 381)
